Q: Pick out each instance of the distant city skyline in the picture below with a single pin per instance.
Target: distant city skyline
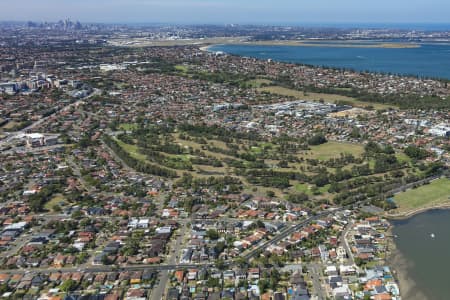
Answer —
(229, 11)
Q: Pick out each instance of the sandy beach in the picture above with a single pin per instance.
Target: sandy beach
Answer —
(204, 48)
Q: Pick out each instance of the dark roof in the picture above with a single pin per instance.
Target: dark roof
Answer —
(172, 294)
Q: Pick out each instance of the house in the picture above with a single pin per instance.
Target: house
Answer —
(4, 278)
(38, 281)
(342, 292)
(192, 274)
(136, 223)
(164, 230)
(179, 275)
(253, 273)
(228, 275)
(173, 294)
(136, 277)
(324, 254)
(214, 296)
(77, 276)
(98, 259)
(135, 294)
(111, 248)
(59, 260)
(331, 270)
(100, 278)
(112, 276)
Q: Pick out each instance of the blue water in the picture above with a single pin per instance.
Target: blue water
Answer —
(402, 26)
(429, 258)
(429, 60)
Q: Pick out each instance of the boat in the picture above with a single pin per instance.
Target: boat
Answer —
(432, 235)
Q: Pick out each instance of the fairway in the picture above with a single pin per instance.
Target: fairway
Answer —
(331, 98)
(127, 126)
(182, 68)
(435, 193)
(308, 189)
(334, 149)
(257, 83)
(133, 150)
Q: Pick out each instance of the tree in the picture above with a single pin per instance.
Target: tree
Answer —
(317, 139)
(415, 152)
(4, 288)
(385, 163)
(298, 198)
(212, 234)
(321, 179)
(220, 264)
(371, 148)
(220, 246)
(213, 282)
(263, 285)
(56, 208)
(355, 134)
(77, 214)
(68, 285)
(241, 262)
(283, 164)
(106, 260)
(270, 194)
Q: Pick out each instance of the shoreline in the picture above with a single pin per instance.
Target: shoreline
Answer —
(399, 264)
(410, 213)
(206, 48)
(399, 267)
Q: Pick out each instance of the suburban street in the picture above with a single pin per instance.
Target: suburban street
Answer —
(344, 242)
(175, 248)
(316, 274)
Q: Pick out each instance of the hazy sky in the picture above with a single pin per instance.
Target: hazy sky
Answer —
(230, 11)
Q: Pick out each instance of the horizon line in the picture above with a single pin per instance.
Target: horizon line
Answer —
(274, 23)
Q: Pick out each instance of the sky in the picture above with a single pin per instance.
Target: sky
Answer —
(229, 11)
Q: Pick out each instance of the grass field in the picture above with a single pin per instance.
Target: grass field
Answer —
(181, 68)
(10, 125)
(127, 126)
(334, 149)
(303, 188)
(56, 200)
(332, 98)
(435, 193)
(402, 157)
